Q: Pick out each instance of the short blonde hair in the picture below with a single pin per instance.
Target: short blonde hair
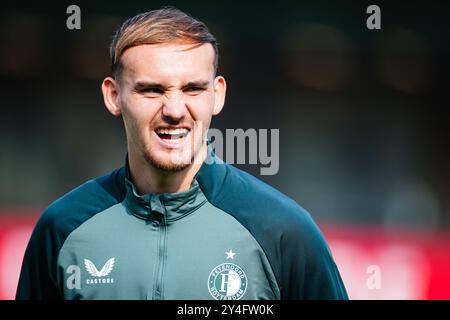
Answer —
(159, 26)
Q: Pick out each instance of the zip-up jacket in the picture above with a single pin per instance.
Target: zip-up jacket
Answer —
(230, 236)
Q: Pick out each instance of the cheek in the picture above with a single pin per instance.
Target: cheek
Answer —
(140, 112)
(137, 125)
(201, 108)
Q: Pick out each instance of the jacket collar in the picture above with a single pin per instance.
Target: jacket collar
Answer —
(173, 206)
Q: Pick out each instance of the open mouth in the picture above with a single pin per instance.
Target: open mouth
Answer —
(172, 135)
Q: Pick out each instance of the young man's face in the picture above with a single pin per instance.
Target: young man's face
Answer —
(167, 95)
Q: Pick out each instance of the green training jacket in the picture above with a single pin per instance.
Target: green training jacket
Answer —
(229, 237)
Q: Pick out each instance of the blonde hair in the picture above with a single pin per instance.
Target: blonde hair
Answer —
(159, 26)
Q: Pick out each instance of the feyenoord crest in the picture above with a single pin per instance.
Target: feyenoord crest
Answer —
(227, 281)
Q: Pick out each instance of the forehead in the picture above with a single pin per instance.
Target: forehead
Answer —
(169, 61)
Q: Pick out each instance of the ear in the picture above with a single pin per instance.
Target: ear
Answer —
(220, 89)
(110, 90)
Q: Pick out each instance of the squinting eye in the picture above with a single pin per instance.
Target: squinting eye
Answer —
(152, 90)
(194, 89)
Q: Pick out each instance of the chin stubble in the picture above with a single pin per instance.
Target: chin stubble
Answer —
(171, 166)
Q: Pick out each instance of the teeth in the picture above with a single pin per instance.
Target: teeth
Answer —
(172, 131)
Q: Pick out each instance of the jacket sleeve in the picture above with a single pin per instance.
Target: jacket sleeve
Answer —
(308, 269)
(38, 278)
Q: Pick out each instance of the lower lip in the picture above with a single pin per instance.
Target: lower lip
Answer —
(172, 144)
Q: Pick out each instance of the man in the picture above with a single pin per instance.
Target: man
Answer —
(175, 222)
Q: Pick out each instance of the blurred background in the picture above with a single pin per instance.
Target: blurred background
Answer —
(363, 118)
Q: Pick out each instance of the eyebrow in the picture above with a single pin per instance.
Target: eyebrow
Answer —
(201, 84)
(146, 84)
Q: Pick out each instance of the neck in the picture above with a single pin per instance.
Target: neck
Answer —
(148, 179)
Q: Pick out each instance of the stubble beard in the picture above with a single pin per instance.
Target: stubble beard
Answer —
(183, 159)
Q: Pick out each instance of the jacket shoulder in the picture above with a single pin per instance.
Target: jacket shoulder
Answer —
(229, 187)
(297, 251)
(67, 212)
(38, 277)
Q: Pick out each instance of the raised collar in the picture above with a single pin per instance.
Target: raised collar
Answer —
(173, 206)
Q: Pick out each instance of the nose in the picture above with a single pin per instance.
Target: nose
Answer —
(174, 108)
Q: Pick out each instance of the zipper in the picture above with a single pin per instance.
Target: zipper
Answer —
(158, 290)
